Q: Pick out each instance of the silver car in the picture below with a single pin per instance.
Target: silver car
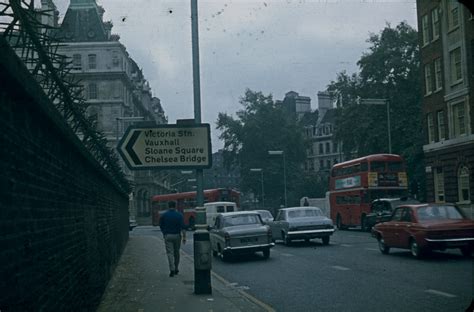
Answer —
(301, 223)
(240, 232)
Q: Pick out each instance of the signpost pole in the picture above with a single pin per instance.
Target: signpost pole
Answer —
(202, 244)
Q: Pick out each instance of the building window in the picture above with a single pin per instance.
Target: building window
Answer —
(441, 126)
(92, 91)
(463, 184)
(437, 75)
(328, 162)
(435, 23)
(328, 148)
(431, 129)
(456, 66)
(321, 164)
(425, 29)
(439, 185)
(334, 148)
(428, 80)
(459, 119)
(115, 59)
(77, 62)
(92, 61)
(321, 151)
(453, 18)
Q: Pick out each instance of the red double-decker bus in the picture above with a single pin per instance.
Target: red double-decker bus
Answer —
(354, 184)
(186, 203)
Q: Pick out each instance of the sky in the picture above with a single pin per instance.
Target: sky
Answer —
(269, 46)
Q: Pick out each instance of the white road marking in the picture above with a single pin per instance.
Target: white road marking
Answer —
(286, 254)
(345, 245)
(372, 249)
(440, 293)
(340, 268)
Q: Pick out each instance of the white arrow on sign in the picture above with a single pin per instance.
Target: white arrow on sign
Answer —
(168, 146)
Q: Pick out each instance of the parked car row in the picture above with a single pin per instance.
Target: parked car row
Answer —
(418, 227)
(242, 232)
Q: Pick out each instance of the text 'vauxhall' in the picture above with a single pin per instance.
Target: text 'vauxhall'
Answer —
(168, 147)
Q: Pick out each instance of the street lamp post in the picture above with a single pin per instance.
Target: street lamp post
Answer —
(137, 118)
(284, 170)
(381, 102)
(261, 179)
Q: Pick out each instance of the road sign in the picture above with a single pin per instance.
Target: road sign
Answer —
(167, 147)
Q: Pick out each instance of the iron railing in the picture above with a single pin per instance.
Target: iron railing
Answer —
(35, 44)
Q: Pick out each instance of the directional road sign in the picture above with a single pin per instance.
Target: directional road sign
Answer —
(167, 147)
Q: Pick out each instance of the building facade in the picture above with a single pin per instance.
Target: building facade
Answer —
(446, 37)
(113, 86)
(324, 151)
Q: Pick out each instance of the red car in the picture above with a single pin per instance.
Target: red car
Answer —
(425, 227)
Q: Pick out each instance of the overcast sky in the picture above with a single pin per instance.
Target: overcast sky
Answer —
(269, 46)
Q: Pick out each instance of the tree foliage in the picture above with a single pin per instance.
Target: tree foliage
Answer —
(261, 126)
(389, 70)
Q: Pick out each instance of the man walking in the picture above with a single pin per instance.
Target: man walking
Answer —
(172, 227)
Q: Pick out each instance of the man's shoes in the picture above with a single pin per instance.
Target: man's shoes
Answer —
(176, 272)
(172, 273)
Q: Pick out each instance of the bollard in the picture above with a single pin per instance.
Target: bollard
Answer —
(202, 255)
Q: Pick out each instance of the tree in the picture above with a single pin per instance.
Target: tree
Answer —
(259, 127)
(389, 70)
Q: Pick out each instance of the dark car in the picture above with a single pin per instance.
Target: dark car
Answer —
(425, 227)
(301, 223)
(381, 210)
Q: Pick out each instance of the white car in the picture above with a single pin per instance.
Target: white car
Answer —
(301, 223)
(240, 232)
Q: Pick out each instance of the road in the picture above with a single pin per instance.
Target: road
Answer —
(350, 275)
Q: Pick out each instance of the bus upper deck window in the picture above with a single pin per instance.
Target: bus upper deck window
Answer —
(377, 166)
(395, 166)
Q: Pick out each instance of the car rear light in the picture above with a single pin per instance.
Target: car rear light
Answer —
(269, 234)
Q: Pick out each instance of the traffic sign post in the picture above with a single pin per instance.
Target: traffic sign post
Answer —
(167, 147)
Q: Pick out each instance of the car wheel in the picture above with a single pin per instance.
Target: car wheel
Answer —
(466, 251)
(266, 253)
(415, 249)
(325, 240)
(285, 238)
(192, 224)
(383, 248)
(224, 256)
(363, 224)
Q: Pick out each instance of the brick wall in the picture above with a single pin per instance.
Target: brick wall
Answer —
(63, 222)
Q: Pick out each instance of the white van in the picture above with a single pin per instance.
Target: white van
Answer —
(214, 208)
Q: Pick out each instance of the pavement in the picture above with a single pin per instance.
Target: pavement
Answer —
(141, 283)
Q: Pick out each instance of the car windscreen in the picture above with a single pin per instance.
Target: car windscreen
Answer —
(265, 214)
(302, 213)
(438, 213)
(241, 220)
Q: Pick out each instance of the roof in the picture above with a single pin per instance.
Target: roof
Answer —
(237, 213)
(83, 23)
(329, 116)
(374, 157)
(300, 208)
(219, 203)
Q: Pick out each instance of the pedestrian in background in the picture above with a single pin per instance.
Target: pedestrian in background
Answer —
(172, 227)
